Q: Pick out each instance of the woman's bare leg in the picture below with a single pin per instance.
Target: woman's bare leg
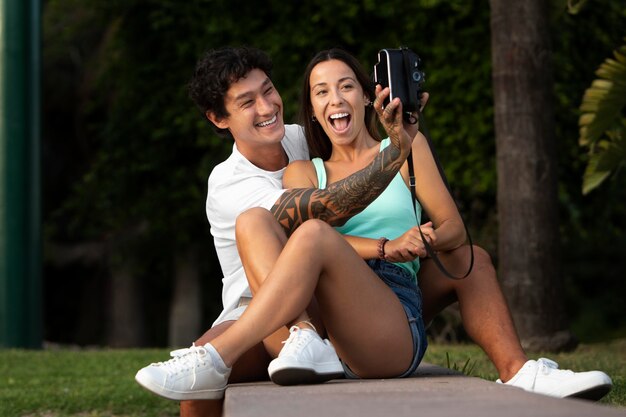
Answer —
(484, 310)
(369, 326)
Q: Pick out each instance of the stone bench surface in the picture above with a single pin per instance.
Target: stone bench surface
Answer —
(433, 392)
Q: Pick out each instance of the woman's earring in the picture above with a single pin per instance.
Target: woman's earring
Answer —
(368, 104)
(313, 119)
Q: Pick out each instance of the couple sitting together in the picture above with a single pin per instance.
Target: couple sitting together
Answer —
(325, 270)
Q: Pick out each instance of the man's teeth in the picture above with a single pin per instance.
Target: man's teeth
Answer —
(268, 122)
(338, 115)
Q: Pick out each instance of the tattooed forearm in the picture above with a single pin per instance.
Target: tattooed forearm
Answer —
(340, 200)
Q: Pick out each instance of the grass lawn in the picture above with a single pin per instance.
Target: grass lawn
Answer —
(100, 383)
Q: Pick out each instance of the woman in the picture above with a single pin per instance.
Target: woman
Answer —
(342, 138)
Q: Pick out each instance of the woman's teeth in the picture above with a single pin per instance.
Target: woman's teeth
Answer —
(340, 121)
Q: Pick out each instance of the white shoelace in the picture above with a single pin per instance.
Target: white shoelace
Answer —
(184, 359)
(546, 365)
(295, 342)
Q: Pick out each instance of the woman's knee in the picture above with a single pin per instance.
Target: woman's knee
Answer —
(313, 231)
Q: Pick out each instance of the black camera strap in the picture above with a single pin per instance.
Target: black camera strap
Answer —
(429, 249)
(410, 118)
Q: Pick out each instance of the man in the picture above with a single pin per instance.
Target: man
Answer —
(233, 89)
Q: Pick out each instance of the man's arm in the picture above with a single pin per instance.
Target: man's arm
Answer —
(343, 199)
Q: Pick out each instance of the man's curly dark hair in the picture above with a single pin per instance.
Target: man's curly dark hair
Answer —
(217, 70)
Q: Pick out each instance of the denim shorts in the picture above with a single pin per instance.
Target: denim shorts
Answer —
(403, 284)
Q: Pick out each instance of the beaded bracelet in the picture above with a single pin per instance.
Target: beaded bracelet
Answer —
(381, 247)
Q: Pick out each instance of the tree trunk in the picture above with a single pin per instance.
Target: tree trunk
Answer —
(186, 310)
(125, 313)
(528, 238)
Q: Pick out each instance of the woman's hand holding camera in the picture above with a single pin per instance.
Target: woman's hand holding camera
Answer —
(391, 118)
(410, 245)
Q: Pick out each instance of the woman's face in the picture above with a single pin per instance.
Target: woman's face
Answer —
(338, 101)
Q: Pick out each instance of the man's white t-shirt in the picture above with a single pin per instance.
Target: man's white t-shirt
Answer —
(235, 186)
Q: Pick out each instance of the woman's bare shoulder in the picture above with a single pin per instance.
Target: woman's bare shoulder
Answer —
(300, 174)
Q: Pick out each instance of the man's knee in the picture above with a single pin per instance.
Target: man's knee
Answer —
(482, 267)
(253, 216)
(253, 219)
(482, 260)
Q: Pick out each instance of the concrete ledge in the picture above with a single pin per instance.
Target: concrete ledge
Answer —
(433, 392)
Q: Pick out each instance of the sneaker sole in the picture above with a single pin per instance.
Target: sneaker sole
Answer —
(302, 376)
(592, 394)
(214, 394)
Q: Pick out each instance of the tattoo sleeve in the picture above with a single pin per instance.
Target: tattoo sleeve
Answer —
(342, 199)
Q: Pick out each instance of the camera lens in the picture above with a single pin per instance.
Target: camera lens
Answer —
(417, 76)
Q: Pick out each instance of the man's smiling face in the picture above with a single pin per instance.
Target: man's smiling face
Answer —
(255, 111)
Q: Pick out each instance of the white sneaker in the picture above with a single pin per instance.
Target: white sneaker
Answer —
(189, 375)
(544, 377)
(305, 359)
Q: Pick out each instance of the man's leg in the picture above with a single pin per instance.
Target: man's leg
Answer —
(488, 322)
(484, 310)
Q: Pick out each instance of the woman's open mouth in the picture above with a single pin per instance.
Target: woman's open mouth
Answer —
(340, 121)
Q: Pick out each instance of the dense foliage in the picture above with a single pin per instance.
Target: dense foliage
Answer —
(127, 154)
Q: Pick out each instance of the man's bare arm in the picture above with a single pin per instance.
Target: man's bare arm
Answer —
(342, 199)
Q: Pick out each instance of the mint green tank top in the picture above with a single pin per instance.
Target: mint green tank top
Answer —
(390, 215)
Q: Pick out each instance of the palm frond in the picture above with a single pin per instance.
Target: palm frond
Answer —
(602, 123)
(575, 6)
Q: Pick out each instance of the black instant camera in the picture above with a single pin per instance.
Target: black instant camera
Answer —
(399, 69)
